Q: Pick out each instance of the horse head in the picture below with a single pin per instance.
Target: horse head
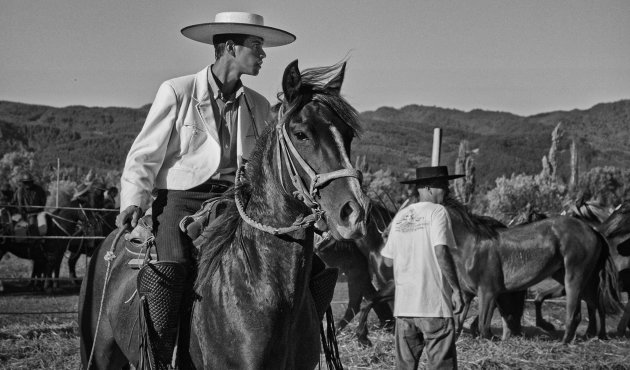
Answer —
(315, 130)
(616, 228)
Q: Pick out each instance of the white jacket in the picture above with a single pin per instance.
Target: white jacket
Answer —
(178, 147)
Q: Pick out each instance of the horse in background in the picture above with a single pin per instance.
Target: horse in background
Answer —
(511, 310)
(614, 225)
(362, 265)
(495, 260)
(253, 308)
(93, 223)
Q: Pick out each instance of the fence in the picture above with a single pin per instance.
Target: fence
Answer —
(26, 238)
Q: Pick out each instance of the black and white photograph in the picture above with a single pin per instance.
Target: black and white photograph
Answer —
(300, 185)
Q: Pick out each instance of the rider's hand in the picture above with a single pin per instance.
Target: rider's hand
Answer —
(129, 217)
(458, 302)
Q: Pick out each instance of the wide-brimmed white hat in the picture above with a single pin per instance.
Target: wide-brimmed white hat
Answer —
(239, 23)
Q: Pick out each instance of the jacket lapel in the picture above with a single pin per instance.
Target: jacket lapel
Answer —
(203, 98)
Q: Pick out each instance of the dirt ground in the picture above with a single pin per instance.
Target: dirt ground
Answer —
(50, 340)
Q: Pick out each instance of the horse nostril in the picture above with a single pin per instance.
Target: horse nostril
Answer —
(348, 209)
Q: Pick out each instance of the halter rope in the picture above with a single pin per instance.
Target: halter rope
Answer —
(285, 152)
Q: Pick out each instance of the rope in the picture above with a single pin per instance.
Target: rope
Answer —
(54, 207)
(109, 257)
(50, 237)
(301, 222)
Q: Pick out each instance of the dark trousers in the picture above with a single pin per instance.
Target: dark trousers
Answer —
(169, 208)
(436, 335)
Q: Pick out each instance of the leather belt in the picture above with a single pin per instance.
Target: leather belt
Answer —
(212, 186)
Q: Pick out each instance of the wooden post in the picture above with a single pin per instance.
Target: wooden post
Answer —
(58, 169)
(437, 145)
(575, 178)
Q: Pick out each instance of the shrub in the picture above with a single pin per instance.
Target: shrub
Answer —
(512, 195)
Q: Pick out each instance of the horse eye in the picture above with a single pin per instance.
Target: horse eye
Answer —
(300, 136)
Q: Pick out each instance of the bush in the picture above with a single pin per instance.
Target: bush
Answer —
(608, 186)
(512, 195)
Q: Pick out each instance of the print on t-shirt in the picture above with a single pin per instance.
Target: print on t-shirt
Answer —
(410, 221)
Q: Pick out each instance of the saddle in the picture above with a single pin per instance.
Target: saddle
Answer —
(141, 237)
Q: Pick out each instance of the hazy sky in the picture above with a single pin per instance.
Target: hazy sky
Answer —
(524, 57)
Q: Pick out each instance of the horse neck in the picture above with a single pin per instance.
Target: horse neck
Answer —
(289, 255)
(67, 217)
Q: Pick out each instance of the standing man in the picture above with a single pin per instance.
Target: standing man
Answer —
(427, 287)
(198, 131)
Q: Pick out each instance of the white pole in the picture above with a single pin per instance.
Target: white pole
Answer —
(437, 144)
(57, 201)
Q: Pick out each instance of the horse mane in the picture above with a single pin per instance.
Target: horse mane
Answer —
(483, 227)
(217, 237)
(616, 220)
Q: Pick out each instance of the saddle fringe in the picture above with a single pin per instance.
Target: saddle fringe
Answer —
(146, 357)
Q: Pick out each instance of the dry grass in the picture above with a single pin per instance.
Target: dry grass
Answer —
(536, 350)
(51, 341)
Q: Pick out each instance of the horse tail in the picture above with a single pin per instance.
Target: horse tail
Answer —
(609, 293)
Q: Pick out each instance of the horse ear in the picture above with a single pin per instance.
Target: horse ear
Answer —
(335, 83)
(291, 81)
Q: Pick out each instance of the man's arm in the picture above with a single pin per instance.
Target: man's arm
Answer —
(447, 265)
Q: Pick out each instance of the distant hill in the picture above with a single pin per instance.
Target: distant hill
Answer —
(401, 139)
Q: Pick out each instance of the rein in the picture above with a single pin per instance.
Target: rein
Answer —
(286, 153)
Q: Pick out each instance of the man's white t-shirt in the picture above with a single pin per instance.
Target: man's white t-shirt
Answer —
(421, 288)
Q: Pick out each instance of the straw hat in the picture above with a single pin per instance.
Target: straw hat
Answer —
(238, 23)
(427, 175)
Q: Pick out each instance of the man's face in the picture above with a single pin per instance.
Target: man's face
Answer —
(249, 56)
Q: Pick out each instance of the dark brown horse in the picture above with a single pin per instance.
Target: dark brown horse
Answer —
(94, 223)
(362, 265)
(511, 309)
(494, 260)
(67, 220)
(615, 226)
(253, 308)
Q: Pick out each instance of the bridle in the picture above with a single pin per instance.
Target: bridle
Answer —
(288, 157)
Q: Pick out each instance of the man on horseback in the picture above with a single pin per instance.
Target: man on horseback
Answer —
(199, 129)
(427, 286)
(30, 198)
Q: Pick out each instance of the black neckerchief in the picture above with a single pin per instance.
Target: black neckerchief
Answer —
(238, 85)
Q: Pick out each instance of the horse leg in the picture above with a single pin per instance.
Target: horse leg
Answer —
(573, 315)
(355, 295)
(2, 253)
(511, 306)
(384, 294)
(459, 322)
(72, 266)
(39, 268)
(624, 321)
(487, 301)
(553, 292)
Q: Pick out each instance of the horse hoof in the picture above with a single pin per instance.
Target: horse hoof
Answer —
(365, 342)
(547, 326)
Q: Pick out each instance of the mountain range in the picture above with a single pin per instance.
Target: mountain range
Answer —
(398, 139)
